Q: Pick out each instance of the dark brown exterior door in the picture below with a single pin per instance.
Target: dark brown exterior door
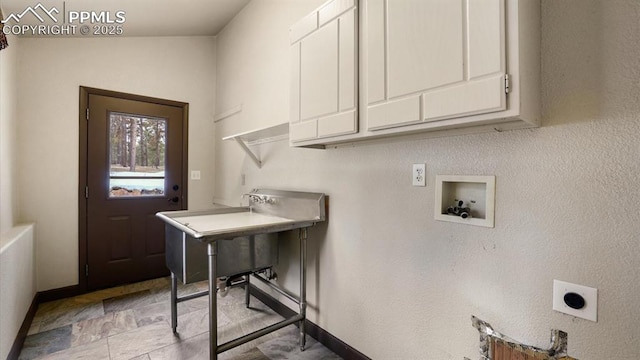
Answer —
(134, 169)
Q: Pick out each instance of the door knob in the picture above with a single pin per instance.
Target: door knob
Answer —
(175, 187)
(174, 199)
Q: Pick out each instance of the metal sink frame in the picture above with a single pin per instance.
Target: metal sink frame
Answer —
(269, 212)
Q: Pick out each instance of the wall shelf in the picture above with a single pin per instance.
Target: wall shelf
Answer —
(227, 113)
(477, 192)
(260, 136)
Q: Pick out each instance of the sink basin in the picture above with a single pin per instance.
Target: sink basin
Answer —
(207, 225)
(276, 211)
(228, 223)
(248, 235)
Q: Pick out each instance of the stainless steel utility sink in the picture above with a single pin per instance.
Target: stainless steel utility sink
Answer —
(249, 233)
(239, 241)
(268, 211)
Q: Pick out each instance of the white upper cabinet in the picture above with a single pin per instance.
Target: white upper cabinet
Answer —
(442, 66)
(429, 60)
(324, 72)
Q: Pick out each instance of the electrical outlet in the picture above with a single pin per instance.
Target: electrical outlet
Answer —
(195, 175)
(577, 300)
(419, 175)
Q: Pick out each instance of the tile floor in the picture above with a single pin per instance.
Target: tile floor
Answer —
(133, 322)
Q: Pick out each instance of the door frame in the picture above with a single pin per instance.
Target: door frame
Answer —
(83, 165)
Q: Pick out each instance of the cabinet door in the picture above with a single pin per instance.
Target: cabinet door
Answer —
(429, 60)
(324, 72)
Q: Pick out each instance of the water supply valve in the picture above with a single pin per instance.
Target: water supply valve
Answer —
(459, 209)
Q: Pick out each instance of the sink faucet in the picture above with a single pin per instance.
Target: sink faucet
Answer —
(264, 199)
(255, 198)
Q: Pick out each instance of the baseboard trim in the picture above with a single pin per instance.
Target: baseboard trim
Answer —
(336, 345)
(39, 298)
(14, 353)
(60, 293)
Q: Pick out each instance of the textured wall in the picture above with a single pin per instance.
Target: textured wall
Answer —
(51, 71)
(395, 284)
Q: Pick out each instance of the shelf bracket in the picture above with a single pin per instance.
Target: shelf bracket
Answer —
(246, 149)
(260, 136)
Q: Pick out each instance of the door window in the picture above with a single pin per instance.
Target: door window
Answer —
(137, 155)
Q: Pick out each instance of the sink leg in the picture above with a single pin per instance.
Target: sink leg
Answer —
(212, 251)
(303, 286)
(174, 303)
(247, 291)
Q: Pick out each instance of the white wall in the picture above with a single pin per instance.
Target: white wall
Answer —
(395, 284)
(51, 71)
(8, 132)
(252, 72)
(17, 249)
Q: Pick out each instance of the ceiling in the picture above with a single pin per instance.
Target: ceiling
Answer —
(142, 17)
